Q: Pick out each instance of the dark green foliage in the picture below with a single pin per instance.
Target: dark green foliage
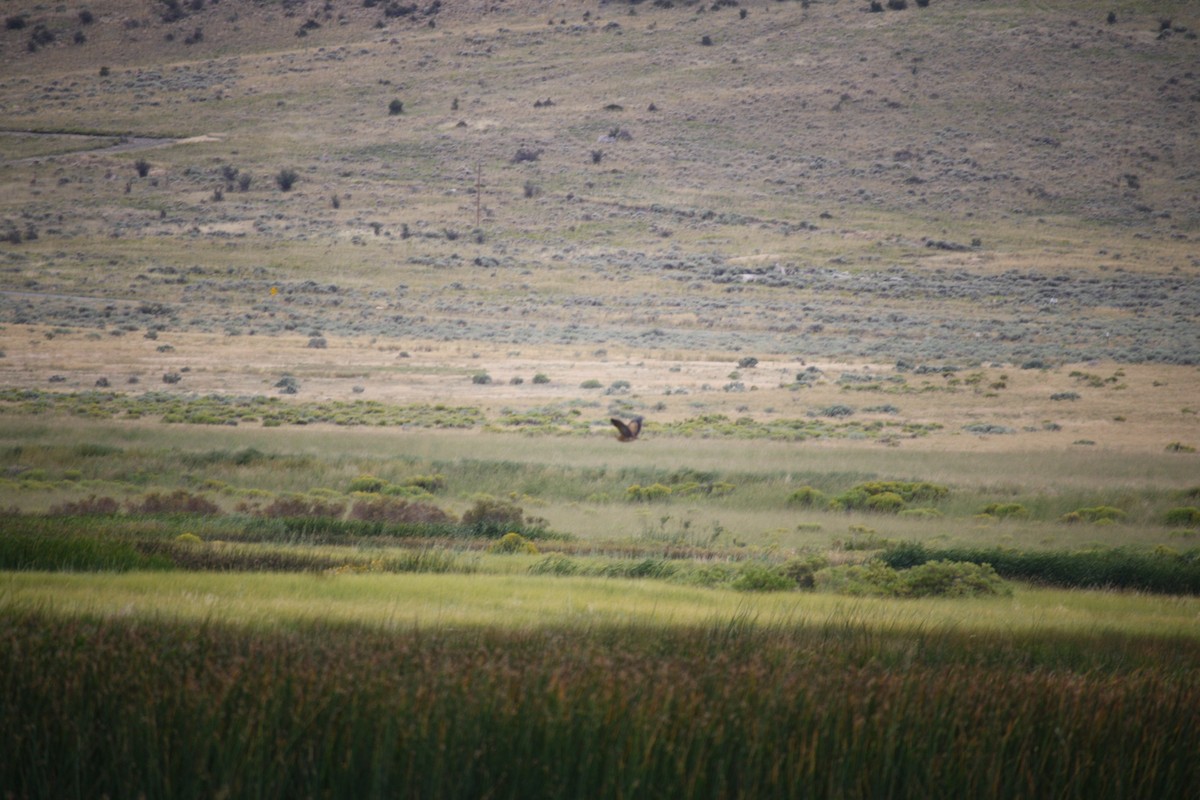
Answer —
(808, 497)
(888, 496)
(167, 709)
(285, 179)
(927, 579)
(395, 107)
(1005, 510)
(802, 570)
(1157, 571)
(755, 577)
(34, 550)
(1183, 515)
(1104, 514)
(367, 483)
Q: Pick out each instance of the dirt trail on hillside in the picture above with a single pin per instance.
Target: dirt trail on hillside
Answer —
(124, 144)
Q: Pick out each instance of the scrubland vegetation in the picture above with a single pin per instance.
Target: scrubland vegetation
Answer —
(313, 317)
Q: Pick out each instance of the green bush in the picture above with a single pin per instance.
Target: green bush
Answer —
(802, 571)
(368, 483)
(808, 497)
(513, 542)
(885, 503)
(1005, 510)
(1183, 515)
(648, 494)
(754, 577)
(490, 512)
(929, 579)
(1103, 514)
(862, 496)
(953, 579)
(1119, 568)
(430, 483)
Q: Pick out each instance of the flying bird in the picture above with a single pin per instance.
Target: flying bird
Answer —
(627, 431)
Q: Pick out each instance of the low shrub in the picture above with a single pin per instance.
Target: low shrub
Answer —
(1183, 515)
(930, 579)
(93, 505)
(492, 517)
(511, 543)
(887, 497)
(285, 179)
(1101, 514)
(648, 494)
(885, 503)
(179, 501)
(753, 577)
(1004, 510)
(808, 497)
(802, 571)
(394, 510)
(368, 483)
(300, 506)
(431, 483)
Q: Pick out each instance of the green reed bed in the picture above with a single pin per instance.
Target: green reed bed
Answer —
(129, 707)
(1162, 570)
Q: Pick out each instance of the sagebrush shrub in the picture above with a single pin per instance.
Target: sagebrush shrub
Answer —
(179, 501)
(92, 505)
(299, 506)
(395, 510)
(489, 510)
(286, 179)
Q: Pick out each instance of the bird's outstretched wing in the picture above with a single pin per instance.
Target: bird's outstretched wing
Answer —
(627, 432)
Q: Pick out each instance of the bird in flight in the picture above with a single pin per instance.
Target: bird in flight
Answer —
(627, 431)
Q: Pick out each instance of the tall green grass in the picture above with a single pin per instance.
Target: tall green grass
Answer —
(161, 709)
(1162, 571)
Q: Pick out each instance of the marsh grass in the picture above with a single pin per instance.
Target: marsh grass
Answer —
(721, 493)
(837, 706)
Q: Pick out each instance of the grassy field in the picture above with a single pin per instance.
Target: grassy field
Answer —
(313, 317)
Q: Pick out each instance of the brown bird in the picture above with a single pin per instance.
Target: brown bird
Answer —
(627, 432)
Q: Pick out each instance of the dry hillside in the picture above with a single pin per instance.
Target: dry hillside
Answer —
(392, 195)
